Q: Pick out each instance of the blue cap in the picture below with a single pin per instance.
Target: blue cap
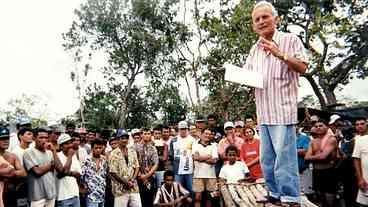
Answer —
(121, 133)
(4, 132)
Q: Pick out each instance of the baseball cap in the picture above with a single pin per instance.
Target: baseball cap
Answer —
(23, 121)
(228, 124)
(200, 119)
(239, 124)
(183, 125)
(4, 132)
(314, 118)
(135, 131)
(122, 133)
(334, 118)
(63, 138)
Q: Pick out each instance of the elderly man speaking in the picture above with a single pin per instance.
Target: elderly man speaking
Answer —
(280, 58)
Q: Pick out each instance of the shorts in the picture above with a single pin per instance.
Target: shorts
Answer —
(325, 181)
(204, 184)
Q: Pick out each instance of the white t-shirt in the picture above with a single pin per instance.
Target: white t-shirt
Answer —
(67, 187)
(203, 169)
(183, 151)
(233, 173)
(82, 154)
(13, 141)
(361, 152)
(19, 152)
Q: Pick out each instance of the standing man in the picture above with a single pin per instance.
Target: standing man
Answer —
(124, 168)
(181, 156)
(361, 159)
(280, 58)
(40, 162)
(148, 164)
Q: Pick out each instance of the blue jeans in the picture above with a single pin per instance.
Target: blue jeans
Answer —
(279, 161)
(186, 181)
(71, 202)
(94, 204)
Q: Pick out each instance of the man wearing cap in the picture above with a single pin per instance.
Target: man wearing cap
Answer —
(239, 126)
(66, 182)
(181, 156)
(10, 170)
(280, 58)
(230, 139)
(124, 169)
(40, 162)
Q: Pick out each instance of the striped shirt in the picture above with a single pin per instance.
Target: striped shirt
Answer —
(277, 101)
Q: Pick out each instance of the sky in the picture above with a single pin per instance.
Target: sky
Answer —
(34, 62)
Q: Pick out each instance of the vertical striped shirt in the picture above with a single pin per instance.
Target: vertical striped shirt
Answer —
(277, 101)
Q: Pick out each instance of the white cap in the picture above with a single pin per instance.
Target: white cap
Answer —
(63, 138)
(228, 124)
(314, 118)
(239, 123)
(135, 131)
(183, 125)
(334, 118)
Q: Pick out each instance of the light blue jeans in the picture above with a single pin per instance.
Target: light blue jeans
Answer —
(279, 162)
(71, 202)
(186, 181)
(94, 204)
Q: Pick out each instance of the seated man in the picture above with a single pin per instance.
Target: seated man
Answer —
(172, 193)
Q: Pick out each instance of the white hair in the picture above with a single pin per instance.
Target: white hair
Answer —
(266, 4)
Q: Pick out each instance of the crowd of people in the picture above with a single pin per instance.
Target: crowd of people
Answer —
(181, 165)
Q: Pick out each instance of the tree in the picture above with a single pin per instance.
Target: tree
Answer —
(29, 106)
(136, 36)
(335, 33)
(229, 33)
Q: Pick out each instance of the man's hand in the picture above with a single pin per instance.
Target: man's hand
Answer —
(71, 152)
(130, 184)
(362, 184)
(271, 47)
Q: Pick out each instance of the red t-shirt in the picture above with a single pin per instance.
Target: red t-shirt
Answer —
(248, 152)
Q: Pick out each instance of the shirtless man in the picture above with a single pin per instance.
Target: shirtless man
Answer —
(322, 153)
(10, 169)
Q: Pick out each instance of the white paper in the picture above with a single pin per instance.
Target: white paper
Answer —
(242, 76)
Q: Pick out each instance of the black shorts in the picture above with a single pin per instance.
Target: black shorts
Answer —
(325, 181)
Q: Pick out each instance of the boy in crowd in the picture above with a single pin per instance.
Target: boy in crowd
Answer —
(66, 182)
(205, 157)
(171, 193)
(233, 171)
(124, 168)
(94, 175)
(40, 162)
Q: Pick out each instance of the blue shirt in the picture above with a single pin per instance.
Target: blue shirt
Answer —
(302, 142)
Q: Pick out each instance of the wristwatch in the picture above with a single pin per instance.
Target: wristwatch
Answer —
(285, 57)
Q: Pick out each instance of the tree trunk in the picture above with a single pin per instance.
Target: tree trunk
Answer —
(123, 111)
(317, 91)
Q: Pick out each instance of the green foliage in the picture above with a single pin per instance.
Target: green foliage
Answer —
(335, 33)
(230, 36)
(136, 37)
